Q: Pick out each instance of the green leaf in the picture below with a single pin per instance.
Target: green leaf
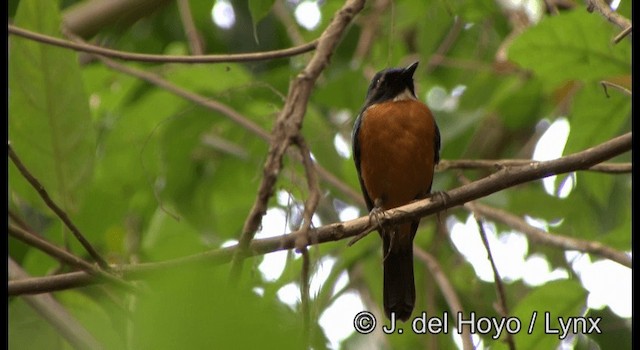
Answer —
(259, 9)
(561, 299)
(616, 331)
(596, 118)
(571, 45)
(50, 124)
(196, 308)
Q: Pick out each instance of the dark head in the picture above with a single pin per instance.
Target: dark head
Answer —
(391, 83)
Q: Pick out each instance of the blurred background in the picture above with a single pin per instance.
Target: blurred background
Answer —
(149, 175)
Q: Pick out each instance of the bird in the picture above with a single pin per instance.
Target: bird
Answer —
(396, 146)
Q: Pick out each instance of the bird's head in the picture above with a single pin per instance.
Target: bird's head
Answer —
(392, 84)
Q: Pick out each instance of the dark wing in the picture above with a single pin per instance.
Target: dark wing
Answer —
(436, 149)
(356, 157)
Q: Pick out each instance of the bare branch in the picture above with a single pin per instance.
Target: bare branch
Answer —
(494, 164)
(49, 248)
(132, 56)
(64, 256)
(498, 181)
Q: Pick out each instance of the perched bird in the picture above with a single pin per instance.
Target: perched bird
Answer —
(396, 145)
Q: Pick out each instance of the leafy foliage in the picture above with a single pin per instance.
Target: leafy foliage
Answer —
(149, 176)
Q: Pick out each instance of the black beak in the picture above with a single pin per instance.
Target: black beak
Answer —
(408, 72)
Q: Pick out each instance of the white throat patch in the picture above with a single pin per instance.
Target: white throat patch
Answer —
(405, 95)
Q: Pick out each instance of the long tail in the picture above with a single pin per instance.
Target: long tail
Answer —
(399, 293)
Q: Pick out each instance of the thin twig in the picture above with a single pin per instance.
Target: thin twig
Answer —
(502, 307)
(626, 91)
(64, 256)
(57, 210)
(493, 164)
(622, 35)
(50, 249)
(132, 56)
(449, 293)
(498, 181)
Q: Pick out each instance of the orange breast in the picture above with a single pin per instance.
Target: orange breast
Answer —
(397, 140)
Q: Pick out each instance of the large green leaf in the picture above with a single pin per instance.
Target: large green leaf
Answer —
(542, 308)
(596, 118)
(49, 120)
(196, 308)
(571, 45)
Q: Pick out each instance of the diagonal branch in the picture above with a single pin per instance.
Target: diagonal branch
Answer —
(64, 256)
(498, 181)
(132, 56)
(289, 122)
(609, 14)
(56, 209)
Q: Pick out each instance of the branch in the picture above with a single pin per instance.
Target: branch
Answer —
(609, 14)
(498, 181)
(552, 239)
(64, 256)
(289, 122)
(132, 56)
(56, 209)
(492, 164)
